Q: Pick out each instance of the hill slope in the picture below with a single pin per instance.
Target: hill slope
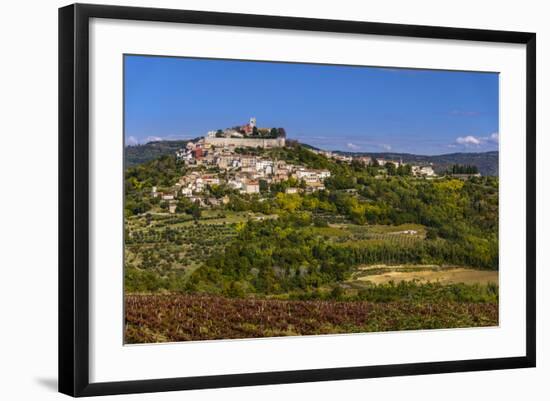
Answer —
(139, 154)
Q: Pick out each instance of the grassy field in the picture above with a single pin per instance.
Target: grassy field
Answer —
(168, 318)
(353, 234)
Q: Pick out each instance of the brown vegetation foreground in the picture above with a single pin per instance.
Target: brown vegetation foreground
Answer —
(166, 318)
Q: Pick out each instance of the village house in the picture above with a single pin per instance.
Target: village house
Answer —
(311, 175)
(248, 161)
(198, 200)
(226, 161)
(366, 160)
(187, 191)
(199, 185)
(251, 187)
(213, 202)
(235, 184)
(423, 171)
(325, 153)
(265, 166)
(210, 180)
(313, 186)
(209, 159)
(382, 162)
(342, 158)
(248, 169)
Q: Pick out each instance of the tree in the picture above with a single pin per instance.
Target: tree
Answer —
(356, 165)
(263, 186)
(196, 210)
(184, 205)
(337, 292)
(390, 168)
(464, 169)
(219, 191)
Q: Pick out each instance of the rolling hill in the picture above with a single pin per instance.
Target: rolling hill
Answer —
(138, 154)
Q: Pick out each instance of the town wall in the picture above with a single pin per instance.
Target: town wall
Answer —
(246, 142)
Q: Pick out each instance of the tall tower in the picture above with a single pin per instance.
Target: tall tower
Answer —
(252, 122)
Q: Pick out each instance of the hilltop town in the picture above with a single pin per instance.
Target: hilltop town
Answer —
(239, 159)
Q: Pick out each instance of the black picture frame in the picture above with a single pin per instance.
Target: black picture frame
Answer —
(74, 200)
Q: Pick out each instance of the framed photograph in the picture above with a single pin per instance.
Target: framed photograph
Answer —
(250, 199)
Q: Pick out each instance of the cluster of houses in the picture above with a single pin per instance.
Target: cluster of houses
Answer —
(193, 187)
(244, 176)
(425, 170)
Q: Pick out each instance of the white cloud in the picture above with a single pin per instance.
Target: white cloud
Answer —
(153, 138)
(468, 140)
(131, 141)
(353, 146)
(385, 146)
(477, 141)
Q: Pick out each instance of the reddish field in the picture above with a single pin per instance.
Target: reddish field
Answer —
(163, 318)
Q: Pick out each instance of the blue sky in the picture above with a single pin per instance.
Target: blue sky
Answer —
(361, 109)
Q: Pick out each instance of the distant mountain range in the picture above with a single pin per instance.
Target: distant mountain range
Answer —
(486, 162)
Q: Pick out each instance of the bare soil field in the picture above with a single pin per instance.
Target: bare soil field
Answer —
(382, 274)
